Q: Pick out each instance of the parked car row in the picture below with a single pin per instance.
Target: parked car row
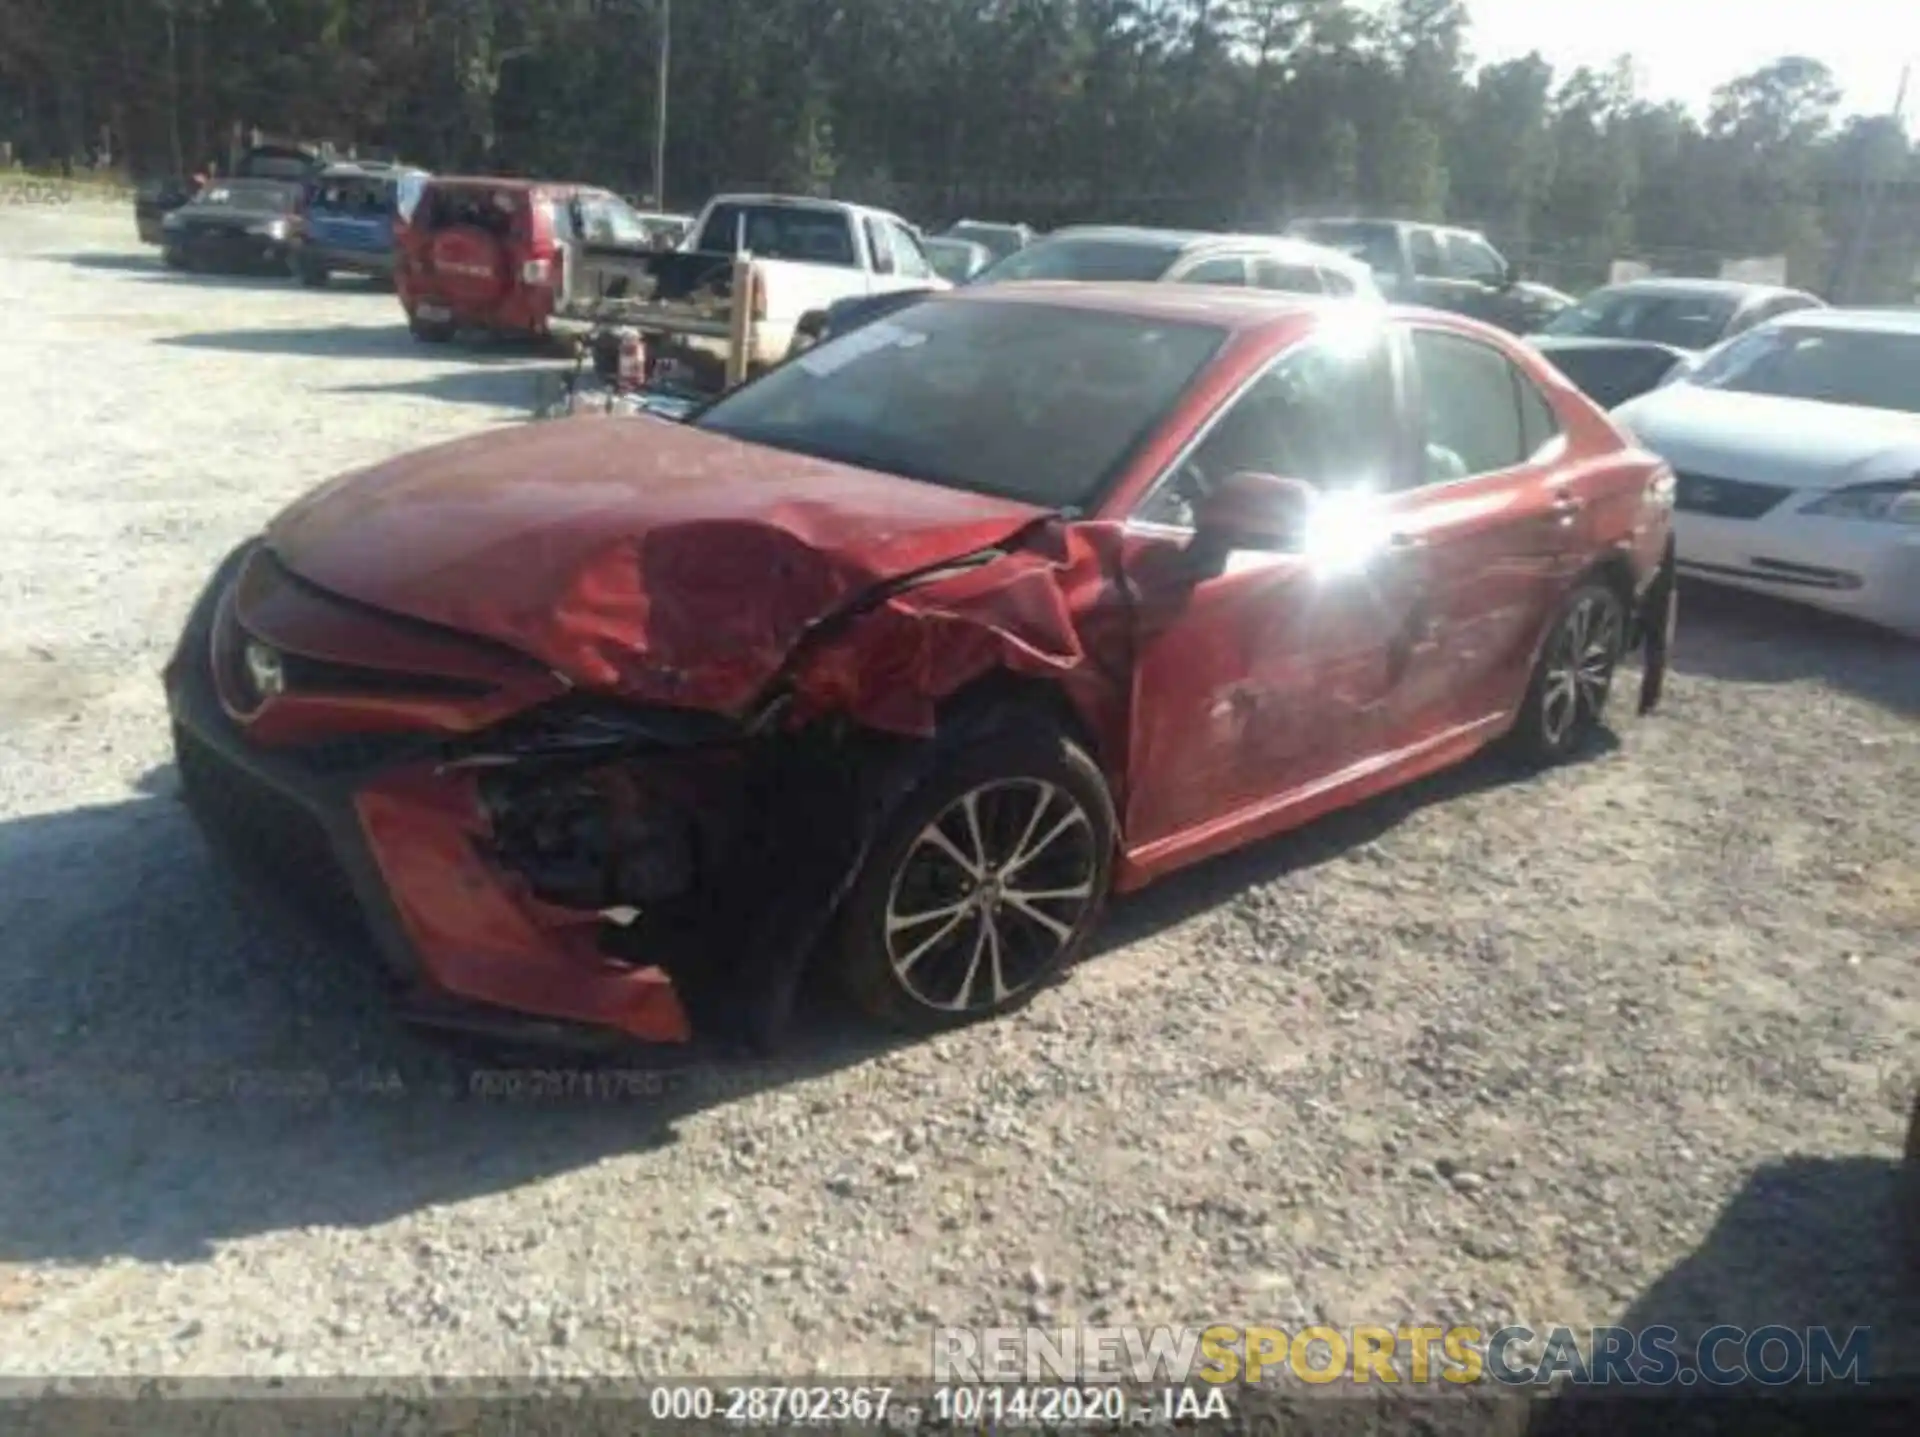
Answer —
(1800, 486)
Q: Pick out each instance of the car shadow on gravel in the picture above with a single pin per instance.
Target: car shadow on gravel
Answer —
(148, 263)
(494, 387)
(178, 1070)
(1805, 1243)
(1739, 637)
(1187, 894)
(356, 341)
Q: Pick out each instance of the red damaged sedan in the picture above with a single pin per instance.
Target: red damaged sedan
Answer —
(905, 656)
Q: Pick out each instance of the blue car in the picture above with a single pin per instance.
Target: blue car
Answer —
(348, 219)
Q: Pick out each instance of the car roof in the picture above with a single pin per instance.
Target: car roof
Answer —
(798, 202)
(510, 182)
(1194, 241)
(1131, 234)
(1227, 306)
(1737, 289)
(367, 169)
(1871, 321)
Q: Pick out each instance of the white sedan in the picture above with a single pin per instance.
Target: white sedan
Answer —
(1797, 453)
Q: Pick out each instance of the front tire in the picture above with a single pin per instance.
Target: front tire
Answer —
(312, 275)
(1566, 699)
(983, 885)
(429, 332)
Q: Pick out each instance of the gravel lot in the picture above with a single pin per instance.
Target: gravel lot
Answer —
(1634, 1039)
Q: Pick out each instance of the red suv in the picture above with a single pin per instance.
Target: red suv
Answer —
(483, 253)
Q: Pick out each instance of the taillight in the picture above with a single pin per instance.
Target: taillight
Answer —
(759, 291)
(536, 271)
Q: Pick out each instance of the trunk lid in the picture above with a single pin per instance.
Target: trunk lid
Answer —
(632, 554)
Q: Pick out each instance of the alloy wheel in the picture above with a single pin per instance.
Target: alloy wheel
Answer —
(1580, 667)
(989, 893)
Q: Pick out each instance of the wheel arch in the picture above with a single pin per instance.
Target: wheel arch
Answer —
(1001, 696)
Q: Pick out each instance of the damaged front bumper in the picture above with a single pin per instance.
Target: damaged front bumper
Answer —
(555, 878)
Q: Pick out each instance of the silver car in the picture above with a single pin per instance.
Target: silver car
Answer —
(1797, 453)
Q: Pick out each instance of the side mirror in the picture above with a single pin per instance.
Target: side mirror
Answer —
(1253, 511)
(1509, 275)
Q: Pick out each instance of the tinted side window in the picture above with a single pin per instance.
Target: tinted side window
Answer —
(1424, 250)
(1322, 413)
(1469, 407)
(1228, 270)
(1539, 425)
(878, 247)
(1290, 278)
(908, 257)
(1469, 258)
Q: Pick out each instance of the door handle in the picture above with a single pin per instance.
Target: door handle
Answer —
(1402, 542)
(1565, 508)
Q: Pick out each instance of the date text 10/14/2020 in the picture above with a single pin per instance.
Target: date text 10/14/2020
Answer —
(943, 1405)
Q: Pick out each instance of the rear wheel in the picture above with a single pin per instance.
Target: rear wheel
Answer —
(1567, 698)
(983, 885)
(1909, 1215)
(430, 331)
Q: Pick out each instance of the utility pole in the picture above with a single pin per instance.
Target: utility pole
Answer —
(1849, 276)
(660, 116)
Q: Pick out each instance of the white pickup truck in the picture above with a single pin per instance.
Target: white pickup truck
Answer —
(806, 254)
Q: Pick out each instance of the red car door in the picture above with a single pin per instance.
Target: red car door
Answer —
(1483, 543)
(1262, 678)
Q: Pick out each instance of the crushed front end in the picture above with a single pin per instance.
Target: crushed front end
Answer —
(527, 861)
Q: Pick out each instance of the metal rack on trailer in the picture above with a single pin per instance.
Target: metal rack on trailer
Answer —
(661, 317)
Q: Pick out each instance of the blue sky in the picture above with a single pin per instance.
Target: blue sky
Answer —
(1684, 49)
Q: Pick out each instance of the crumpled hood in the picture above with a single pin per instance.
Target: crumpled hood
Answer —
(631, 554)
(1764, 439)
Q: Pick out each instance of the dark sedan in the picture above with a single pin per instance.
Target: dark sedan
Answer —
(234, 225)
(1623, 340)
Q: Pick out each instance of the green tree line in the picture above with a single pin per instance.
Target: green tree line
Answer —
(1204, 113)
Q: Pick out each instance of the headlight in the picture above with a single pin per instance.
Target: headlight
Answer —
(171, 222)
(1894, 502)
(272, 229)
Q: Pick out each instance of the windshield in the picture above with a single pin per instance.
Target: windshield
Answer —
(1000, 240)
(257, 195)
(1086, 260)
(1610, 377)
(1865, 368)
(1376, 246)
(797, 232)
(1040, 403)
(1683, 321)
(952, 260)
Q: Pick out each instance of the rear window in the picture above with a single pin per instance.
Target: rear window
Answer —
(1086, 259)
(275, 167)
(796, 232)
(1374, 244)
(471, 207)
(356, 194)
